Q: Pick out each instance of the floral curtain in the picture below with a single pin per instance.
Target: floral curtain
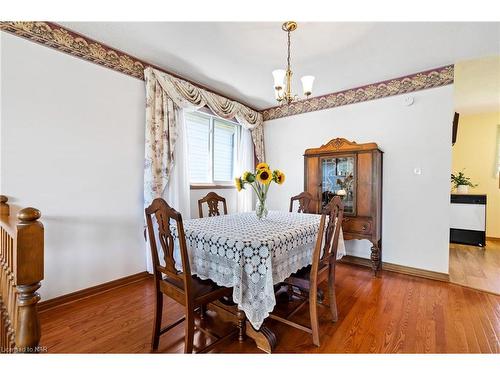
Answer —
(166, 94)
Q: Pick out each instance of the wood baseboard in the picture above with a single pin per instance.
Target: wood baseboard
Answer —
(398, 268)
(492, 239)
(433, 275)
(351, 259)
(92, 291)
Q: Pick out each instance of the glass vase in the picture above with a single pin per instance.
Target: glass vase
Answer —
(261, 209)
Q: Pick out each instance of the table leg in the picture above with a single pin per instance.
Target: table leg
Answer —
(264, 338)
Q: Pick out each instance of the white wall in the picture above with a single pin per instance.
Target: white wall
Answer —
(230, 195)
(415, 208)
(72, 145)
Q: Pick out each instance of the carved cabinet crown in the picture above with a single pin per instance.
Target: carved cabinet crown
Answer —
(341, 144)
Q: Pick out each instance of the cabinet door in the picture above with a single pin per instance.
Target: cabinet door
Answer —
(364, 184)
(312, 182)
(338, 177)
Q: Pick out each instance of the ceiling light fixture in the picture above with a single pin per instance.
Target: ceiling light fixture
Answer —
(283, 78)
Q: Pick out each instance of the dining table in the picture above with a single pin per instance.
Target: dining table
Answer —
(252, 255)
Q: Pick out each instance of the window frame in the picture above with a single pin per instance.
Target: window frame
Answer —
(212, 117)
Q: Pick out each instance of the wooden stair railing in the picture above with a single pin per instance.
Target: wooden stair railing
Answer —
(21, 270)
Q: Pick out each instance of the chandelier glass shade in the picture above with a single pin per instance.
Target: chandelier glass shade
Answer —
(283, 77)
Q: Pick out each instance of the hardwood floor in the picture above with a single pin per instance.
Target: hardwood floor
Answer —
(476, 267)
(394, 313)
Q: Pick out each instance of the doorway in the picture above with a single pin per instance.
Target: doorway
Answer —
(475, 194)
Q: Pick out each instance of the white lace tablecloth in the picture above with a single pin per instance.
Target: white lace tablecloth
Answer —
(252, 255)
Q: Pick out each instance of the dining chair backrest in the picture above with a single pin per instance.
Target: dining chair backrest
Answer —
(304, 199)
(325, 250)
(162, 234)
(322, 268)
(212, 199)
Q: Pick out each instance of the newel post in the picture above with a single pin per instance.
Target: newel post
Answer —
(4, 207)
(28, 273)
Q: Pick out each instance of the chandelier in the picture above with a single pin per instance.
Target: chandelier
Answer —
(283, 78)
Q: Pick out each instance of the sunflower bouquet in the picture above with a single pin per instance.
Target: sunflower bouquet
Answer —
(260, 181)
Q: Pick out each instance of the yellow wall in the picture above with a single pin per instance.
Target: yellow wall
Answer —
(475, 151)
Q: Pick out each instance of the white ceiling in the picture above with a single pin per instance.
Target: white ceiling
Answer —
(237, 58)
(477, 86)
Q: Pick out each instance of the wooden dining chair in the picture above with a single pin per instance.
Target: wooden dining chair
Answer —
(322, 268)
(304, 199)
(212, 199)
(190, 291)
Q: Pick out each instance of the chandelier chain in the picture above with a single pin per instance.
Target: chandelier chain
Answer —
(288, 58)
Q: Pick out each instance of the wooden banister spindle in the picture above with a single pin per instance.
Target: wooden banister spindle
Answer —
(11, 293)
(28, 265)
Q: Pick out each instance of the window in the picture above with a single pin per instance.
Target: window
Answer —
(212, 148)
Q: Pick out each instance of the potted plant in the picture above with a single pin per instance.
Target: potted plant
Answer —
(461, 183)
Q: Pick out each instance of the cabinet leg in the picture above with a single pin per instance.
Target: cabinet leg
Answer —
(376, 258)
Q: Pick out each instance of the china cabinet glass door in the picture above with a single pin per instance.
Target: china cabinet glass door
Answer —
(338, 178)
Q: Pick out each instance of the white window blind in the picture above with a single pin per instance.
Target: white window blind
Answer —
(212, 146)
(224, 142)
(198, 131)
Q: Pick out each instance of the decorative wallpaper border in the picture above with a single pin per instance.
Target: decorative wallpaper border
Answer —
(57, 37)
(419, 81)
(62, 39)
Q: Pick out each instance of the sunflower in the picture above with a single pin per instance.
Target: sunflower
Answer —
(262, 166)
(278, 177)
(238, 183)
(264, 176)
(248, 177)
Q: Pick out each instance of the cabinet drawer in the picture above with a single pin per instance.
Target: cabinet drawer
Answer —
(357, 225)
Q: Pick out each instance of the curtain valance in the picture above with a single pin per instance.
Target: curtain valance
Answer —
(166, 95)
(186, 95)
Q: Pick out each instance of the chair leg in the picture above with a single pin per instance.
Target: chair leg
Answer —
(313, 312)
(331, 295)
(157, 321)
(203, 311)
(321, 295)
(189, 331)
(241, 325)
(289, 292)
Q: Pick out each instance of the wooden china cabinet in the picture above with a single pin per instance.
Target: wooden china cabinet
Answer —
(353, 171)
